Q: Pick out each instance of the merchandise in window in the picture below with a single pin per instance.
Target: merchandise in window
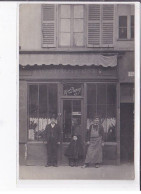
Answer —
(42, 104)
(101, 102)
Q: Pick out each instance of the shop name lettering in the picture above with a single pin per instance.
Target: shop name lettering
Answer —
(72, 91)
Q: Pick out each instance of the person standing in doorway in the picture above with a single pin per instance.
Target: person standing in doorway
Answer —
(52, 136)
(94, 140)
(75, 150)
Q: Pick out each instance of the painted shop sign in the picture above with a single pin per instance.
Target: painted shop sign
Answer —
(72, 90)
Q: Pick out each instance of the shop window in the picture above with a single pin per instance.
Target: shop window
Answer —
(101, 102)
(41, 105)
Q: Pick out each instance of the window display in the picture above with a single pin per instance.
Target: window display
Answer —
(42, 103)
(101, 102)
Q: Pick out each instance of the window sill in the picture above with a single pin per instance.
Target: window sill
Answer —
(110, 143)
(125, 39)
(35, 142)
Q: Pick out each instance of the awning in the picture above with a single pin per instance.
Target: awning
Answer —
(71, 59)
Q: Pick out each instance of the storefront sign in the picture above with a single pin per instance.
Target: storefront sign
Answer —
(131, 74)
(72, 91)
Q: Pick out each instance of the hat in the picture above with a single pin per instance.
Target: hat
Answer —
(96, 117)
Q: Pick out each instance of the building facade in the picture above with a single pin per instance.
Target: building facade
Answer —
(77, 61)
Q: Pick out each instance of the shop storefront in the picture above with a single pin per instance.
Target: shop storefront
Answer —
(78, 63)
(76, 94)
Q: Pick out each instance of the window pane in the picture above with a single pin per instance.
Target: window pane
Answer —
(65, 25)
(122, 21)
(52, 98)
(76, 107)
(67, 120)
(42, 101)
(122, 26)
(101, 93)
(33, 100)
(91, 104)
(78, 25)
(65, 11)
(78, 11)
(101, 113)
(132, 20)
(111, 94)
(78, 39)
(91, 94)
(64, 39)
(122, 32)
(111, 123)
(91, 111)
(132, 32)
(33, 111)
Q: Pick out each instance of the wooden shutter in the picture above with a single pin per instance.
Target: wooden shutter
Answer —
(107, 25)
(93, 28)
(48, 25)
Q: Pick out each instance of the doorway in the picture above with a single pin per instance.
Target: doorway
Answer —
(127, 132)
(72, 117)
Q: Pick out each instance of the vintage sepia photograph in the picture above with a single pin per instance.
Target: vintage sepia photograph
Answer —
(76, 91)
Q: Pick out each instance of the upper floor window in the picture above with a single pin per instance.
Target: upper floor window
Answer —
(71, 25)
(122, 26)
(126, 27)
(76, 26)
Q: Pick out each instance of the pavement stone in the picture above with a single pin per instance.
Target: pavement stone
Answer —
(105, 172)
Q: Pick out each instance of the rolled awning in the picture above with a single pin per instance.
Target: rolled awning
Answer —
(69, 59)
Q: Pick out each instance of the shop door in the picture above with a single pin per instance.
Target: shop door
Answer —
(72, 117)
(127, 132)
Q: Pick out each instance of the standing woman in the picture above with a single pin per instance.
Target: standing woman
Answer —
(94, 139)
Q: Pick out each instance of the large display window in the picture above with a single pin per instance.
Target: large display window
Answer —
(101, 102)
(42, 103)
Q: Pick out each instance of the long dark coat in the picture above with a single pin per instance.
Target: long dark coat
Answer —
(75, 149)
(52, 136)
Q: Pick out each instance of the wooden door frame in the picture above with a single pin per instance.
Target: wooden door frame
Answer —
(61, 119)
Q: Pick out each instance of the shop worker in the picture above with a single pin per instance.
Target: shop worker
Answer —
(52, 137)
(94, 140)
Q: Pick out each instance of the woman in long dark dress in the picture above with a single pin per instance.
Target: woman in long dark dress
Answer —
(75, 150)
(94, 139)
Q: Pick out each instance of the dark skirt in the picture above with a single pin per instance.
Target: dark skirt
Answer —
(75, 150)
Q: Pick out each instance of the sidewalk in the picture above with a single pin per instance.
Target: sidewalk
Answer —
(109, 172)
